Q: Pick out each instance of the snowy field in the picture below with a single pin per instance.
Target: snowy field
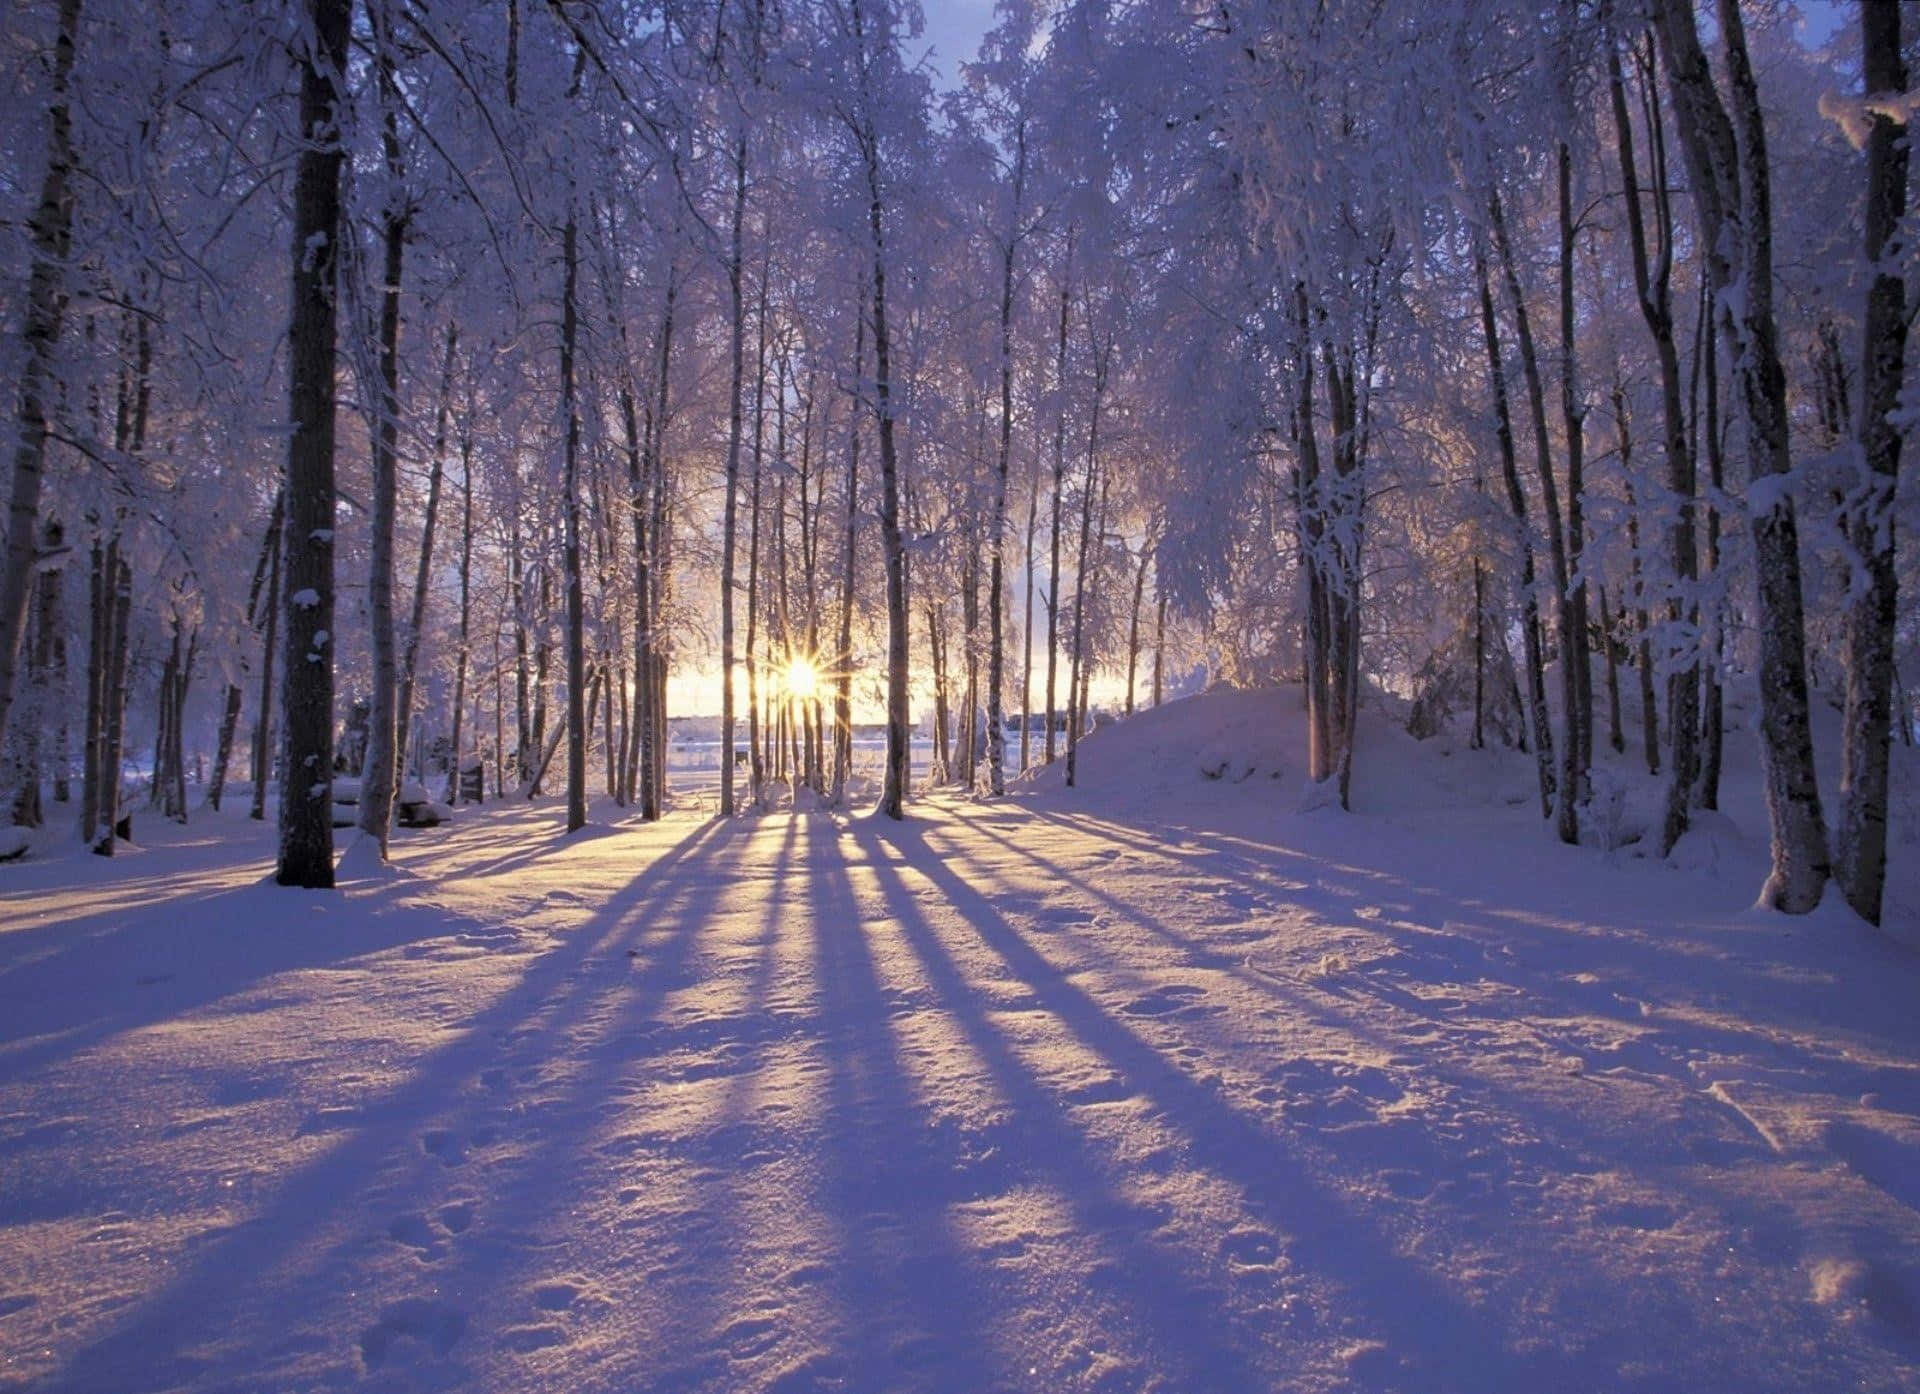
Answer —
(1158, 1084)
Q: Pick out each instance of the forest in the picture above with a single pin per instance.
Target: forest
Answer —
(401, 385)
(1210, 697)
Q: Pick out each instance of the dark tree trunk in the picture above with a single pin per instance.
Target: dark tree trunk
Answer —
(306, 799)
(1860, 843)
(46, 301)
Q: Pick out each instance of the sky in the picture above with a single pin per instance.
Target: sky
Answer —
(953, 33)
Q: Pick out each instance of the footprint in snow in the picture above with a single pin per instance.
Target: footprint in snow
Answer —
(411, 1327)
(441, 1143)
(418, 1233)
(1167, 1001)
(750, 1337)
(524, 1340)
(1250, 1248)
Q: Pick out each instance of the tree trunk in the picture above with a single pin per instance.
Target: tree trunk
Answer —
(578, 701)
(1571, 784)
(1133, 622)
(1860, 843)
(1536, 687)
(51, 233)
(385, 729)
(1712, 699)
(997, 542)
(462, 657)
(1081, 580)
(1730, 179)
(1616, 737)
(230, 713)
(893, 793)
(417, 615)
(736, 349)
(1577, 752)
(306, 801)
(1059, 490)
(843, 662)
(1159, 638)
(1652, 281)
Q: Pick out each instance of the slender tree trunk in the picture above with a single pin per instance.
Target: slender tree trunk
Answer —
(1133, 623)
(649, 532)
(893, 793)
(1026, 626)
(1652, 280)
(1642, 625)
(1478, 740)
(1159, 639)
(1860, 844)
(51, 233)
(385, 731)
(1616, 737)
(578, 701)
(1712, 699)
(114, 696)
(1571, 783)
(417, 615)
(756, 766)
(463, 651)
(230, 714)
(1577, 752)
(271, 602)
(1059, 490)
(1082, 581)
(1536, 687)
(997, 542)
(843, 662)
(736, 349)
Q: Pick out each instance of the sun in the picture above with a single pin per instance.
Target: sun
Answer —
(802, 680)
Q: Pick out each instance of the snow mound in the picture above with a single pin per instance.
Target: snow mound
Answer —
(1223, 736)
(361, 861)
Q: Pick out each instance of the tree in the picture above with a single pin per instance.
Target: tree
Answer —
(306, 801)
(1726, 151)
(1860, 860)
(52, 226)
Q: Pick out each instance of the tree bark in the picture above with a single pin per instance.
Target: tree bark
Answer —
(51, 228)
(1536, 687)
(997, 543)
(1860, 860)
(462, 658)
(417, 614)
(306, 802)
(577, 698)
(1571, 782)
(736, 349)
(1730, 180)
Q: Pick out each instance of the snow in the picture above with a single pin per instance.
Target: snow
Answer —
(1155, 1084)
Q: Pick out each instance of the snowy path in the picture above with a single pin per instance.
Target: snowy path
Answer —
(1014, 1097)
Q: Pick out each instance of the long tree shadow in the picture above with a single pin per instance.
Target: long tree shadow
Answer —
(160, 962)
(301, 1252)
(1174, 1314)
(917, 1313)
(1561, 967)
(1441, 1340)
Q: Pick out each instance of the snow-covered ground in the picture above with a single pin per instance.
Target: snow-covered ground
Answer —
(1156, 1084)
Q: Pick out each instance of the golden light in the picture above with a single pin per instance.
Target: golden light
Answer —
(802, 680)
